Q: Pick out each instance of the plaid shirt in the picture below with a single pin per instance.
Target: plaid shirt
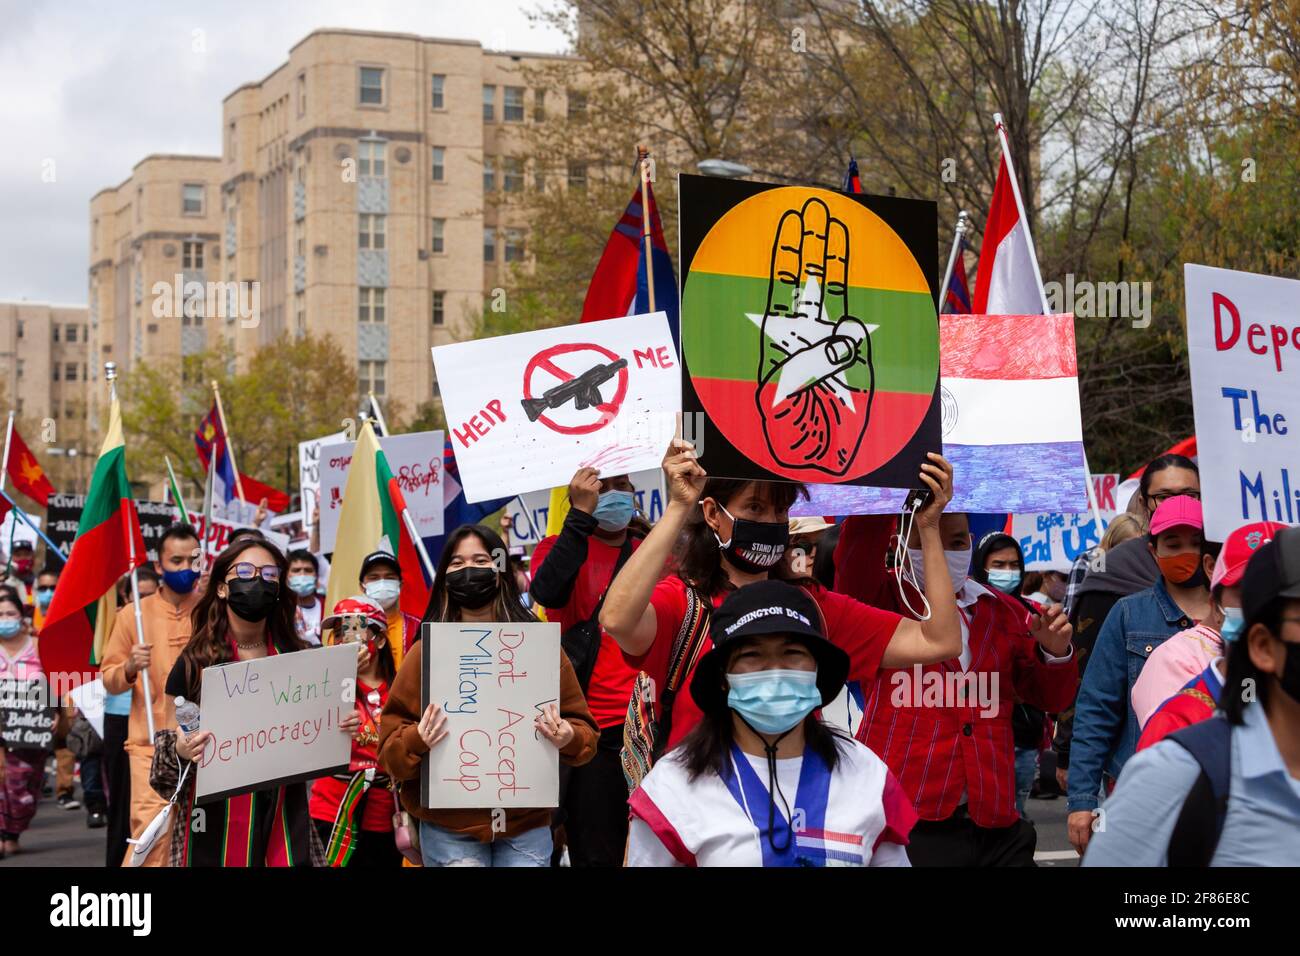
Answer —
(1078, 571)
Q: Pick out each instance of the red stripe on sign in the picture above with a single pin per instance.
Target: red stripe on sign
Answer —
(1012, 347)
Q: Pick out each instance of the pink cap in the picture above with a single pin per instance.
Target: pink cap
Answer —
(1178, 511)
(1238, 550)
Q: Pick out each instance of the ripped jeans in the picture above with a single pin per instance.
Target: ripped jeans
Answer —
(441, 847)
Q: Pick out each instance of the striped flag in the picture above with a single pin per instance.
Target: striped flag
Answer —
(108, 545)
(957, 298)
(852, 181)
(1007, 280)
(183, 513)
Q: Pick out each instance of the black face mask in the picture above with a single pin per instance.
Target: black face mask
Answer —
(473, 588)
(1290, 679)
(252, 598)
(755, 546)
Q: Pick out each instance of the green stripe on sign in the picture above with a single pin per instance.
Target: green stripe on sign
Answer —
(720, 341)
(108, 486)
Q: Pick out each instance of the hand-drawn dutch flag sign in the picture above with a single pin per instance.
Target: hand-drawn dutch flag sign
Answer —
(809, 332)
(526, 411)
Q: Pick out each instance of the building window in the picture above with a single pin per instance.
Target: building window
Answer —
(439, 227)
(371, 86)
(512, 105)
(70, 334)
(577, 175)
(439, 308)
(439, 169)
(191, 255)
(539, 106)
(371, 232)
(300, 314)
(512, 174)
(435, 95)
(302, 94)
(139, 203)
(489, 244)
(489, 174)
(372, 305)
(54, 371)
(70, 372)
(55, 330)
(370, 377)
(577, 104)
(539, 176)
(192, 199)
(489, 103)
(371, 154)
(20, 328)
(20, 362)
(514, 245)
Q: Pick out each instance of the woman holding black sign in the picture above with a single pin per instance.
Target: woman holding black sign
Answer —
(473, 583)
(22, 771)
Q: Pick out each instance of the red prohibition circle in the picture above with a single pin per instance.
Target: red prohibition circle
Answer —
(608, 409)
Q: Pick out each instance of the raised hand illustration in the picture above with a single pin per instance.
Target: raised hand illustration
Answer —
(812, 417)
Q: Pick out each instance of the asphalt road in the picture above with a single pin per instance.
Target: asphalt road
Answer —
(59, 837)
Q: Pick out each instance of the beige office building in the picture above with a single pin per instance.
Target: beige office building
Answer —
(359, 194)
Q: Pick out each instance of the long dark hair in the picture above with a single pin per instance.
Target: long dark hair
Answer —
(699, 559)
(1241, 670)
(508, 605)
(210, 624)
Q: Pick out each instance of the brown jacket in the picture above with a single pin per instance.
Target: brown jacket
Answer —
(401, 749)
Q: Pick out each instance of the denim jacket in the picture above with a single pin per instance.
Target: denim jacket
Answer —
(1105, 727)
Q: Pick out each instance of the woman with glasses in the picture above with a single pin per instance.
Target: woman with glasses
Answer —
(245, 614)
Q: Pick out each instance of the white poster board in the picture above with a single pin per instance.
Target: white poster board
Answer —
(12, 528)
(276, 720)
(491, 680)
(529, 512)
(216, 538)
(89, 699)
(416, 461)
(1243, 340)
(309, 473)
(1052, 541)
(526, 411)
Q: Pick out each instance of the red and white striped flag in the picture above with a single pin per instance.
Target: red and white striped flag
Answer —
(1008, 282)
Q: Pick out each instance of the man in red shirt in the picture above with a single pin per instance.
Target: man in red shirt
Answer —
(571, 572)
(945, 729)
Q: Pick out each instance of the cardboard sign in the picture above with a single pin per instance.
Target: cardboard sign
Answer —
(526, 411)
(809, 333)
(528, 513)
(276, 720)
(309, 473)
(1052, 541)
(1243, 340)
(491, 680)
(416, 461)
(26, 717)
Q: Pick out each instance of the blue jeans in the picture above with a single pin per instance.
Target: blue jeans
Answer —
(1026, 769)
(441, 847)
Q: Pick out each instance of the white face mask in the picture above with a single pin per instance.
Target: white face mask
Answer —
(384, 591)
(958, 567)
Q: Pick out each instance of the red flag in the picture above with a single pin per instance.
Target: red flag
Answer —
(26, 472)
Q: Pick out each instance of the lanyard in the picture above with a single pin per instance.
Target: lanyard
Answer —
(804, 846)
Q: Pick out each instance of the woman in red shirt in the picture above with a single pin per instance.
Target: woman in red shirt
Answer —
(734, 532)
(353, 812)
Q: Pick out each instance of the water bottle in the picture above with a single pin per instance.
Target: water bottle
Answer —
(187, 715)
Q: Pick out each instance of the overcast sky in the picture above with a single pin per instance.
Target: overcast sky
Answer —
(95, 87)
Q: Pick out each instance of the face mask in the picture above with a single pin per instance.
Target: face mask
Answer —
(1234, 622)
(958, 567)
(182, 581)
(302, 584)
(1181, 568)
(473, 588)
(10, 627)
(1008, 582)
(773, 701)
(23, 566)
(614, 510)
(44, 596)
(1290, 679)
(252, 599)
(384, 591)
(754, 546)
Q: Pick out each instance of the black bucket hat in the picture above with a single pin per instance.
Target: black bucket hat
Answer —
(760, 609)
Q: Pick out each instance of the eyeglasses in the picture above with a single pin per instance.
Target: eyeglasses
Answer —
(1163, 496)
(247, 570)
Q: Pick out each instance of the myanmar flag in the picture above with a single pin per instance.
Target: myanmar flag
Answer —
(108, 545)
(371, 520)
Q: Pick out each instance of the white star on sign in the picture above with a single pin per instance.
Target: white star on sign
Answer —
(805, 326)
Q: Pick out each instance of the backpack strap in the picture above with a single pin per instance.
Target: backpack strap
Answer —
(1200, 822)
(686, 651)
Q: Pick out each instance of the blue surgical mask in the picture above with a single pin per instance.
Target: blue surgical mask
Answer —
(1008, 582)
(44, 596)
(10, 627)
(384, 591)
(1234, 622)
(182, 581)
(773, 701)
(614, 510)
(302, 584)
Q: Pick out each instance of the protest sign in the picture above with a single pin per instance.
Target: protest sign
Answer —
(309, 473)
(809, 333)
(1012, 427)
(1053, 540)
(275, 720)
(14, 530)
(89, 699)
(416, 462)
(26, 717)
(526, 411)
(528, 512)
(491, 681)
(63, 515)
(1243, 340)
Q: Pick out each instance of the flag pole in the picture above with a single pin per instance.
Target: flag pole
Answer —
(22, 515)
(379, 415)
(1020, 208)
(4, 466)
(207, 514)
(642, 156)
(110, 375)
(960, 231)
(177, 499)
(230, 446)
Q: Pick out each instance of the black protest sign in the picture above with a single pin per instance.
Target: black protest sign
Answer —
(64, 515)
(26, 717)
